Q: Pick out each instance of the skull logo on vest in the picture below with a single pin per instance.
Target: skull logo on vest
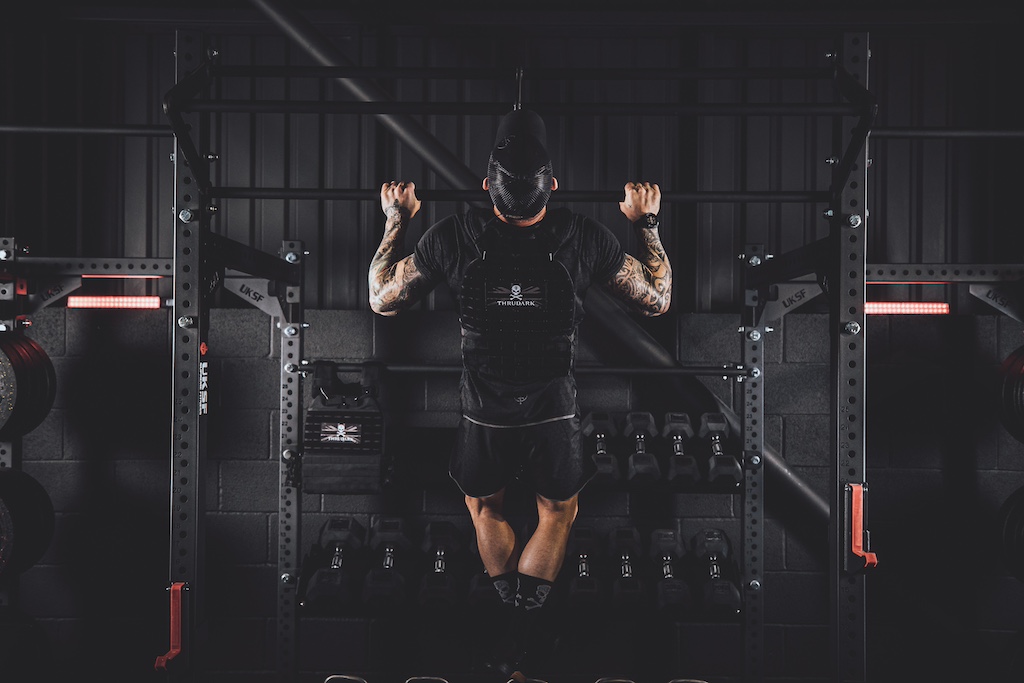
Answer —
(516, 295)
(339, 432)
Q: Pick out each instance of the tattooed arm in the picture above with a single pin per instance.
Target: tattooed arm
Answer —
(644, 282)
(395, 284)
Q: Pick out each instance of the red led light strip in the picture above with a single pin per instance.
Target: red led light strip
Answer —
(905, 308)
(115, 302)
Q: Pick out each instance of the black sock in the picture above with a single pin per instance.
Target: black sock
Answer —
(533, 592)
(535, 628)
(507, 586)
(504, 649)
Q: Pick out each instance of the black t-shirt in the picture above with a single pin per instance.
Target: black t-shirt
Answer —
(587, 249)
(590, 253)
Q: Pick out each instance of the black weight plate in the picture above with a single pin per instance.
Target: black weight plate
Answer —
(28, 386)
(8, 392)
(44, 381)
(34, 381)
(1008, 374)
(32, 517)
(1011, 532)
(1011, 394)
(43, 364)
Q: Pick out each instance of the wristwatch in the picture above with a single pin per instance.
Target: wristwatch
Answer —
(648, 221)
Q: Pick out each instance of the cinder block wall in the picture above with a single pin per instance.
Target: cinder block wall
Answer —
(940, 464)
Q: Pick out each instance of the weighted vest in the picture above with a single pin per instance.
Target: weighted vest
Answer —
(517, 308)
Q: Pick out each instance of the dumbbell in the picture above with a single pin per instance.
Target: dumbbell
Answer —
(683, 471)
(601, 427)
(439, 587)
(384, 586)
(671, 590)
(724, 471)
(642, 465)
(628, 589)
(584, 547)
(334, 587)
(720, 597)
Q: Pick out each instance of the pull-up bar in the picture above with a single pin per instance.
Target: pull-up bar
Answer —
(497, 73)
(501, 108)
(470, 195)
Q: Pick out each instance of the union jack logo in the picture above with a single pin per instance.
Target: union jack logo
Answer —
(517, 292)
(339, 432)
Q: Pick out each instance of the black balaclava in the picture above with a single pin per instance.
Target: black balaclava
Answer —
(519, 169)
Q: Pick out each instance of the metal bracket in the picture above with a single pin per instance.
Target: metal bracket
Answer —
(52, 293)
(1005, 298)
(786, 297)
(255, 292)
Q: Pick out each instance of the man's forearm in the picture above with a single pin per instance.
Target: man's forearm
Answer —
(651, 254)
(383, 278)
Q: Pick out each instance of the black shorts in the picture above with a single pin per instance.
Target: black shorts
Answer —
(545, 457)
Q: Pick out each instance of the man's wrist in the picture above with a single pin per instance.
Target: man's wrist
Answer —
(396, 212)
(649, 221)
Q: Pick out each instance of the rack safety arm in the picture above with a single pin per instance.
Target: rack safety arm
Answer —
(858, 546)
(162, 660)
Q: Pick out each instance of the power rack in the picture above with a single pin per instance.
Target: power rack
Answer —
(840, 256)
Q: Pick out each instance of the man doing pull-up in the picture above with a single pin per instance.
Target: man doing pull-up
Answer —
(520, 272)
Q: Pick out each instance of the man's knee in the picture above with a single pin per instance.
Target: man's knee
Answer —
(563, 511)
(486, 507)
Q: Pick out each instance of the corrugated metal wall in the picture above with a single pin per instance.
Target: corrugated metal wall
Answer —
(111, 195)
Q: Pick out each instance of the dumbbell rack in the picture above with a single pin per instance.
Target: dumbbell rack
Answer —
(845, 246)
